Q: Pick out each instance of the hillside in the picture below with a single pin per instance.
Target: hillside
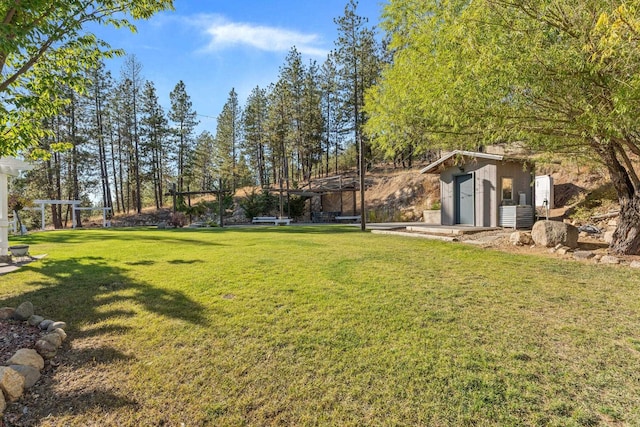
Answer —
(581, 192)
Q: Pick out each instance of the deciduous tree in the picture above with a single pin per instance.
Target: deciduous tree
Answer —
(43, 47)
(561, 76)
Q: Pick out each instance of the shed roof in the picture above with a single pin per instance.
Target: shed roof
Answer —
(446, 160)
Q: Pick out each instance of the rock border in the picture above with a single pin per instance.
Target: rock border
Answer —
(24, 368)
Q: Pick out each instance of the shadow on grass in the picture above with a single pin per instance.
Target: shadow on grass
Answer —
(148, 235)
(81, 291)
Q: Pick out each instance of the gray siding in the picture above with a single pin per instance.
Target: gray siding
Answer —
(488, 176)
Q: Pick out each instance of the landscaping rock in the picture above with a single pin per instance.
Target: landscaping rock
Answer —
(608, 237)
(60, 332)
(609, 259)
(35, 320)
(30, 374)
(56, 325)
(583, 255)
(563, 250)
(6, 313)
(3, 404)
(46, 349)
(520, 238)
(552, 233)
(635, 264)
(27, 357)
(11, 383)
(23, 311)
(54, 339)
(45, 324)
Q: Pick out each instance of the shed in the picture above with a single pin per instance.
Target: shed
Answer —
(484, 190)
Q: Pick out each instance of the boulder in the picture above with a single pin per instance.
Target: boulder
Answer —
(35, 320)
(56, 325)
(3, 404)
(30, 374)
(609, 259)
(27, 357)
(635, 264)
(520, 238)
(24, 311)
(45, 324)
(11, 383)
(54, 339)
(6, 313)
(46, 349)
(553, 233)
(60, 332)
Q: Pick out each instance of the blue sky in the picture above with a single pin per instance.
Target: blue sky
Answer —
(216, 45)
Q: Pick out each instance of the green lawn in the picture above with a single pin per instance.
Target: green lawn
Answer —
(328, 326)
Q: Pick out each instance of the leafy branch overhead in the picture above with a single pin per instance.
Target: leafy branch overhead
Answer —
(560, 76)
(44, 48)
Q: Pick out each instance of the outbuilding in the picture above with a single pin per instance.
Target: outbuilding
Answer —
(484, 190)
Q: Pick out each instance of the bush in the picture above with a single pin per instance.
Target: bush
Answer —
(178, 219)
(257, 204)
(296, 206)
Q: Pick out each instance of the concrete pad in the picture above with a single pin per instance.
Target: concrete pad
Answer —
(9, 268)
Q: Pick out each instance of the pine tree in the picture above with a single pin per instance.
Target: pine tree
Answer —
(154, 131)
(254, 124)
(184, 120)
(228, 136)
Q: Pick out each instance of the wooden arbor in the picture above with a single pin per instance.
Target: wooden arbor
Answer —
(332, 191)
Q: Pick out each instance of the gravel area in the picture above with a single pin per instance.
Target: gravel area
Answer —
(15, 335)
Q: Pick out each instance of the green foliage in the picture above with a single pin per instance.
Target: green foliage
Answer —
(296, 206)
(467, 73)
(560, 76)
(258, 204)
(43, 52)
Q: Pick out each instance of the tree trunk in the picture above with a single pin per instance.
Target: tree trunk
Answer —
(626, 238)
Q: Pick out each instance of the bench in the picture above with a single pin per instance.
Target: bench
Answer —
(270, 220)
(348, 218)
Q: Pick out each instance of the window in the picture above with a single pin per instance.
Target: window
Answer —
(507, 190)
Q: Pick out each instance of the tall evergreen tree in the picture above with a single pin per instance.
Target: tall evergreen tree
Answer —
(184, 120)
(357, 56)
(154, 131)
(255, 134)
(132, 76)
(228, 137)
(330, 107)
(101, 85)
(204, 162)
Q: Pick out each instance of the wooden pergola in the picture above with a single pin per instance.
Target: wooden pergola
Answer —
(324, 186)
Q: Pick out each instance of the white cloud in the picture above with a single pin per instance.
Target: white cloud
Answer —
(224, 34)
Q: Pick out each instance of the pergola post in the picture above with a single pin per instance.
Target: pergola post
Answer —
(4, 216)
(9, 166)
(42, 217)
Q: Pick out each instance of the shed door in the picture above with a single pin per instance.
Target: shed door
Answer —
(464, 199)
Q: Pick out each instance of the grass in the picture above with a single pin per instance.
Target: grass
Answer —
(329, 326)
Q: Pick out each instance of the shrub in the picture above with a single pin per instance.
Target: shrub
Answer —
(257, 204)
(296, 206)
(178, 219)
